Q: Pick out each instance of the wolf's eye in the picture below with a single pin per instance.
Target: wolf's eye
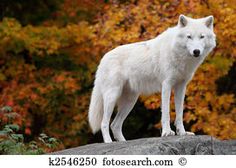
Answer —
(202, 36)
(189, 36)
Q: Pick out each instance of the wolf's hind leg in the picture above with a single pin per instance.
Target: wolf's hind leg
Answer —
(125, 104)
(110, 99)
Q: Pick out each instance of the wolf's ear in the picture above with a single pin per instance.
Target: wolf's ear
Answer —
(209, 21)
(182, 21)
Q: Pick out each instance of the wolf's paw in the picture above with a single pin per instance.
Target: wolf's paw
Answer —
(108, 141)
(185, 133)
(189, 133)
(119, 137)
(167, 133)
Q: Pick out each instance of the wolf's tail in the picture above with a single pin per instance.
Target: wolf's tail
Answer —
(95, 113)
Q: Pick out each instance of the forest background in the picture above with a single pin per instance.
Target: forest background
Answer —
(49, 52)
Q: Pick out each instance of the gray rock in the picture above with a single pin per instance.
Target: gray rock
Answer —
(173, 145)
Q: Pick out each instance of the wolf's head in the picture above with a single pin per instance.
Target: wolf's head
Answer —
(195, 36)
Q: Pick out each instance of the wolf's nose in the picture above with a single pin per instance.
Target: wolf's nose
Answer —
(196, 53)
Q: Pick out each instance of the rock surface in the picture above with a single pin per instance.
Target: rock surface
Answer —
(174, 145)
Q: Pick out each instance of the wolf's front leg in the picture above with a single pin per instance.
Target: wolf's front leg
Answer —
(165, 106)
(179, 101)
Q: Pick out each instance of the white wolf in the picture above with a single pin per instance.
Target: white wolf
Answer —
(161, 64)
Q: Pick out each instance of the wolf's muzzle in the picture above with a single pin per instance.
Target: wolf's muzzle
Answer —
(196, 53)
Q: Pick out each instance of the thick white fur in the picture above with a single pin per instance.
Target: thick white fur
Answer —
(161, 64)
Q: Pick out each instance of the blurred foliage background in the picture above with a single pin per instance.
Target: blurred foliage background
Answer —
(49, 52)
